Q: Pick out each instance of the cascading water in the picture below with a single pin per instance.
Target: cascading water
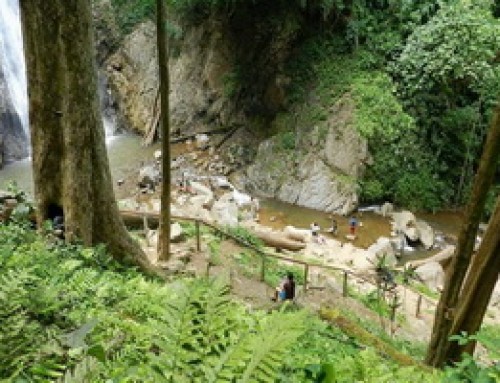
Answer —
(12, 58)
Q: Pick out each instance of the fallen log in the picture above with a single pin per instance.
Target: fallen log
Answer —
(443, 257)
(357, 332)
(279, 241)
(133, 218)
(175, 140)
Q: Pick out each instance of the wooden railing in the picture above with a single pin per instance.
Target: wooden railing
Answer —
(346, 273)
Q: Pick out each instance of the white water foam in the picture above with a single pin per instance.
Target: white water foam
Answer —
(12, 58)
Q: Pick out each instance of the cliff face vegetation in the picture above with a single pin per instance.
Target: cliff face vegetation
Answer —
(404, 90)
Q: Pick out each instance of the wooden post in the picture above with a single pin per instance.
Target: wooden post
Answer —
(394, 306)
(197, 226)
(146, 229)
(344, 285)
(306, 275)
(419, 304)
(263, 268)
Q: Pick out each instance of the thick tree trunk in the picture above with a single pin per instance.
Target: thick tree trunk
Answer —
(161, 24)
(445, 312)
(478, 287)
(70, 165)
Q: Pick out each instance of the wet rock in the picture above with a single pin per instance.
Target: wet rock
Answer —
(425, 234)
(149, 177)
(403, 220)
(382, 248)
(320, 172)
(386, 209)
(225, 211)
(202, 141)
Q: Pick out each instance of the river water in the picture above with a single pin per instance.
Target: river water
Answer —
(126, 154)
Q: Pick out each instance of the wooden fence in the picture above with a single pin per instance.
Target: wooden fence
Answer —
(307, 266)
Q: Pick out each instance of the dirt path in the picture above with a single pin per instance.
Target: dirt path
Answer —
(257, 295)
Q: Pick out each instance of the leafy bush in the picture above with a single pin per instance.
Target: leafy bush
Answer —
(68, 310)
(131, 12)
(288, 141)
(246, 236)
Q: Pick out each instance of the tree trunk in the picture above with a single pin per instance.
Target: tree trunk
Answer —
(478, 287)
(445, 311)
(70, 164)
(164, 235)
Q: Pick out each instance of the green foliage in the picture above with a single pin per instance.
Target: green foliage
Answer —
(457, 45)
(68, 312)
(449, 81)
(468, 369)
(421, 190)
(246, 236)
(379, 113)
(288, 140)
(131, 12)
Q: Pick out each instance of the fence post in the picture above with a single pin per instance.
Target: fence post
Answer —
(306, 275)
(344, 285)
(419, 304)
(197, 226)
(263, 268)
(146, 229)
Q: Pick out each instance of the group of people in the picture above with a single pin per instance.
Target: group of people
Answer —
(333, 229)
(286, 289)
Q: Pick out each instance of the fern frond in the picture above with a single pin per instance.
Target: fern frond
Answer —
(82, 372)
(257, 355)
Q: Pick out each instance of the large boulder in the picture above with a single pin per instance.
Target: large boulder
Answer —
(404, 220)
(319, 169)
(225, 212)
(415, 230)
(432, 275)
(382, 248)
(425, 234)
(149, 177)
(386, 209)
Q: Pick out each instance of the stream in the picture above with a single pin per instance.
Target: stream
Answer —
(126, 155)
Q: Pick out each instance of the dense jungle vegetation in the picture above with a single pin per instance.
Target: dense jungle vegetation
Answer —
(424, 77)
(72, 314)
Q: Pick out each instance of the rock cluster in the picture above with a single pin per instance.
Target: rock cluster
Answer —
(11, 202)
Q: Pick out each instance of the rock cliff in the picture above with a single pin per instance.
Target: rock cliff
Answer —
(13, 140)
(229, 72)
(322, 170)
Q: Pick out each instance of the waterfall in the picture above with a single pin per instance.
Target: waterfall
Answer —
(12, 57)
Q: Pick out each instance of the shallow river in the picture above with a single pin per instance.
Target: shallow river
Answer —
(126, 155)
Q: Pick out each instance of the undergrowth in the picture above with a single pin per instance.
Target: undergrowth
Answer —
(72, 314)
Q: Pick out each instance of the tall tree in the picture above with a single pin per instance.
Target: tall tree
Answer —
(70, 165)
(478, 288)
(438, 351)
(162, 42)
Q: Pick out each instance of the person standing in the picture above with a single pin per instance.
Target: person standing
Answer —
(353, 224)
